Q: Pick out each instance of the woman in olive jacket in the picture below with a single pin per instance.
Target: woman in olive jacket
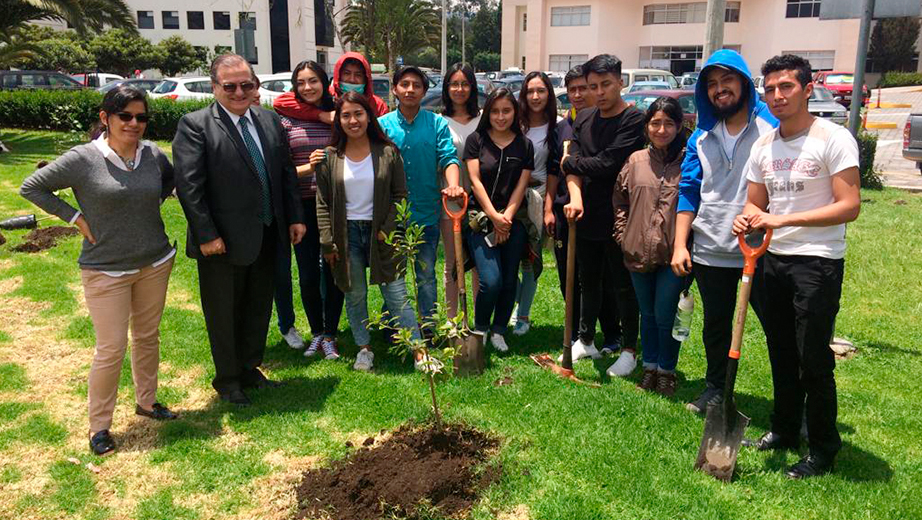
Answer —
(360, 180)
(645, 199)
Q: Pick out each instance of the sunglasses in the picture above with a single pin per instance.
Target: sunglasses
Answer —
(128, 116)
(246, 86)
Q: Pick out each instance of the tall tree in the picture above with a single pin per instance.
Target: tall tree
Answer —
(84, 16)
(179, 56)
(122, 52)
(385, 29)
(893, 44)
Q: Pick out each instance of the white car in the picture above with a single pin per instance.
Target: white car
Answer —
(182, 89)
(631, 76)
(272, 86)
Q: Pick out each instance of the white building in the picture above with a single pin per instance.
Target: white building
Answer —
(557, 34)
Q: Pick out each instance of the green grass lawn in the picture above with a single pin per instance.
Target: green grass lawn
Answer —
(568, 451)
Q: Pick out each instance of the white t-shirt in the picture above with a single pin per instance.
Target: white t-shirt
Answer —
(538, 137)
(797, 172)
(359, 178)
(728, 140)
(459, 133)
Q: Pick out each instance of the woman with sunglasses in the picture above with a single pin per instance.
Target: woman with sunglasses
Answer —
(119, 182)
(360, 181)
(323, 307)
(462, 112)
(499, 161)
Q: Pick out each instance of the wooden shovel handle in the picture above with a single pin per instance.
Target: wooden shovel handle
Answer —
(750, 257)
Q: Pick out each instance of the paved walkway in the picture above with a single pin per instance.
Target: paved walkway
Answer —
(895, 171)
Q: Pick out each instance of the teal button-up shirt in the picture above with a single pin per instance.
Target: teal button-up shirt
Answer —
(427, 149)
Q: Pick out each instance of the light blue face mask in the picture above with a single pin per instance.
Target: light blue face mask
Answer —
(352, 87)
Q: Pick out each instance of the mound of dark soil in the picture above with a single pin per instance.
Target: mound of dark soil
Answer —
(404, 476)
(44, 238)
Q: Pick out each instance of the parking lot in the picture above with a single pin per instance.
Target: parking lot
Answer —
(895, 170)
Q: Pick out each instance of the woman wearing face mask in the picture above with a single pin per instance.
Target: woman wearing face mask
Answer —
(119, 182)
(499, 161)
(538, 107)
(360, 180)
(323, 307)
(645, 199)
(459, 97)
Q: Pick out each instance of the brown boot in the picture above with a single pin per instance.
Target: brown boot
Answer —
(648, 380)
(666, 383)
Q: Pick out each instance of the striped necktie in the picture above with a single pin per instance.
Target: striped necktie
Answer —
(257, 157)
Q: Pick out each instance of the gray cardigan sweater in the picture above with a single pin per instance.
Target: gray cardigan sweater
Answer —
(121, 207)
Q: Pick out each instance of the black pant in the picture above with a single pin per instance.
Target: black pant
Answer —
(717, 286)
(237, 304)
(321, 298)
(801, 300)
(605, 283)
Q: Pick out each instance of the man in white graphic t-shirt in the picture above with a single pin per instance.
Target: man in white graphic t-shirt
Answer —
(806, 172)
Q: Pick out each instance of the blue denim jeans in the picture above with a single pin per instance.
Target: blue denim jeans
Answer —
(426, 287)
(498, 268)
(527, 288)
(658, 295)
(394, 293)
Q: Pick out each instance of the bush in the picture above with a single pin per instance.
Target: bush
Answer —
(867, 150)
(77, 111)
(900, 79)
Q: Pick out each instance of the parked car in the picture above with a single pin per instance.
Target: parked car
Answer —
(36, 79)
(840, 83)
(272, 86)
(432, 101)
(96, 79)
(823, 104)
(513, 83)
(686, 98)
(146, 85)
(688, 80)
(181, 89)
(631, 76)
(485, 86)
(912, 139)
(563, 99)
(640, 86)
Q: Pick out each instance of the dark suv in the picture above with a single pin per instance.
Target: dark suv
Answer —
(36, 79)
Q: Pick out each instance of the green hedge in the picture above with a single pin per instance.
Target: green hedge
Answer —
(900, 79)
(77, 111)
(867, 150)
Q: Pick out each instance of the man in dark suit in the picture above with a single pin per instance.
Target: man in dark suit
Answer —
(238, 188)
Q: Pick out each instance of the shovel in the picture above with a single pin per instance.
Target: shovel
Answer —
(22, 222)
(724, 425)
(469, 360)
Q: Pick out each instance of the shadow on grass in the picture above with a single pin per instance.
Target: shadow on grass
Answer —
(852, 464)
(30, 147)
(888, 348)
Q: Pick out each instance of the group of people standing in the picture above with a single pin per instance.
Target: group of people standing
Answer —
(326, 170)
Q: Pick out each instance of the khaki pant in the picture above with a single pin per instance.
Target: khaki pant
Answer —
(115, 304)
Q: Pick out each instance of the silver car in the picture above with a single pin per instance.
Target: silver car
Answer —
(823, 104)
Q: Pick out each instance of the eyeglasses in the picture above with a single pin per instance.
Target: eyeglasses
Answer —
(245, 86)
(128, 116)
(454, 85)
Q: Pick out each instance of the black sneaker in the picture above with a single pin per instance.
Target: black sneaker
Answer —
(710, 395)
(102, 443)
(809, 466)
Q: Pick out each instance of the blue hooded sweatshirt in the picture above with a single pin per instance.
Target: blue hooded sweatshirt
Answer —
(713, 185)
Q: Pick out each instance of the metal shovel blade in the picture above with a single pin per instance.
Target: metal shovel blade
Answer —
(724, 426)
(469, 356)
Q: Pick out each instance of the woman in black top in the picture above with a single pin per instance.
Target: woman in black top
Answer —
(499, 161)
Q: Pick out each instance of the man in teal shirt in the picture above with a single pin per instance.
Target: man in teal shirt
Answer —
(424, 140)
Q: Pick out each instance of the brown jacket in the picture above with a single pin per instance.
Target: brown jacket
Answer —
(645, 199)
(390, 188)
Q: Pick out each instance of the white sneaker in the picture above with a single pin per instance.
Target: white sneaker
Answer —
(294, 339)
(363, 361)
(521, 327)
(313, 347)
(623, 367)
(498, 342)
(580, 350)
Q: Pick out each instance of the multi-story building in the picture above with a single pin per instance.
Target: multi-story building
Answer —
(557, 34)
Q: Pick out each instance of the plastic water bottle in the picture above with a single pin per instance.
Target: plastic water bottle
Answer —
(681, 327)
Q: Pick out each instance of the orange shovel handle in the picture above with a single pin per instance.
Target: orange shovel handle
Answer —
(750, 254)
(456, 216)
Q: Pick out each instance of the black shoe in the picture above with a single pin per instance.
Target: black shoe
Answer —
(157, 411)
(809, 466)
(772, 441)
(236, 397)
(102, 443)
(265, 383)
(710, 395)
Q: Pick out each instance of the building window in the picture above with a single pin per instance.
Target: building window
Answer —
(171, 19)
(819, 60)
(221, 20)
(524, 22)
(570, 16)
(803, 8)
(195, 20)
(255, 60)
(565, 62)
(247, 20)
(145, 19)
(695, 12)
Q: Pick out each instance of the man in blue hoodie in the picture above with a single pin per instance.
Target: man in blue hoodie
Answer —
(731, 117)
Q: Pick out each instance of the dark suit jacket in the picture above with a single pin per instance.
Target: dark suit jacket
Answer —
(219, 188)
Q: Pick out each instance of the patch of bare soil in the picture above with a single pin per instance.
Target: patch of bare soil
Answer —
(44, 238)
(411, 472)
